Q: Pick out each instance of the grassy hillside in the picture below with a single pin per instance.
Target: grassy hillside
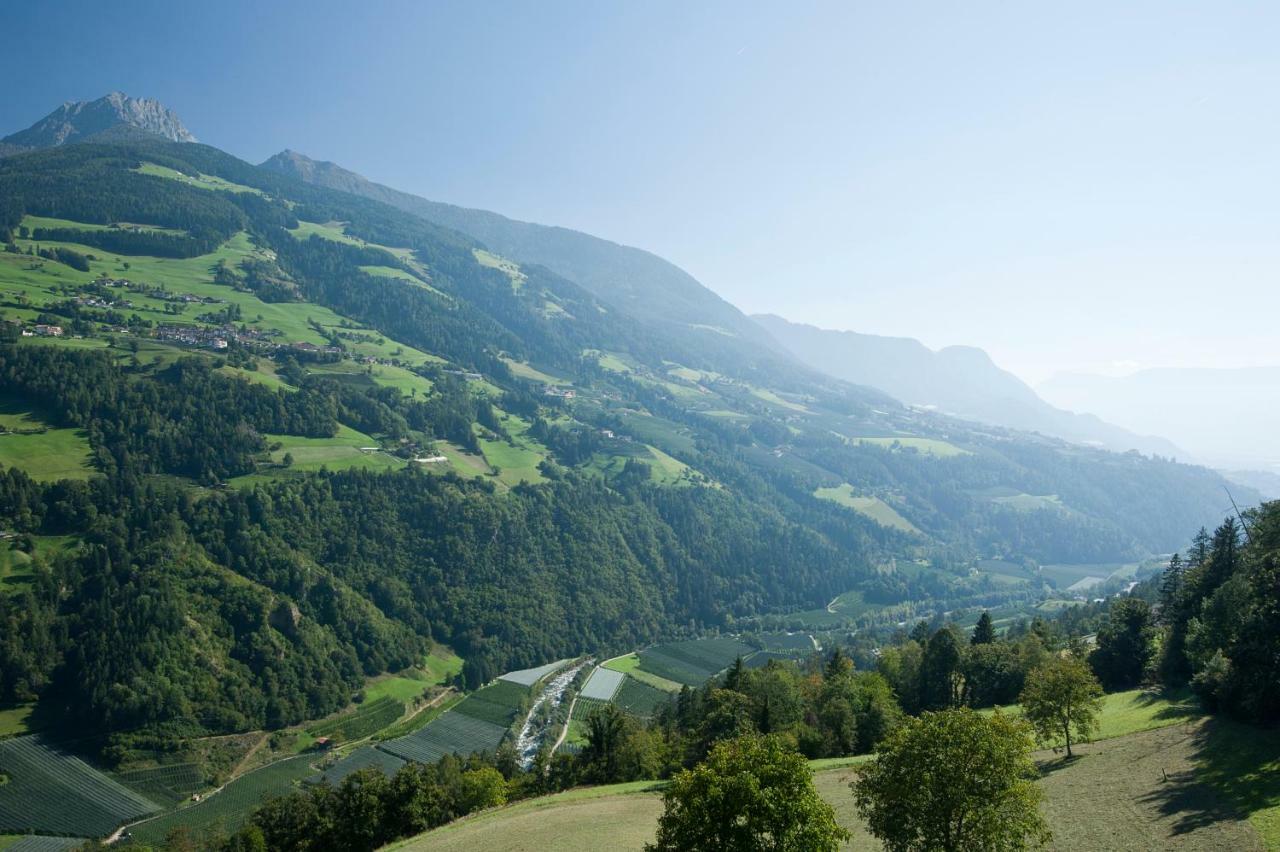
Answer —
(1182, 785)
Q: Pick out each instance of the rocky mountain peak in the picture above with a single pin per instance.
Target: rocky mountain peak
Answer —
(108, 116)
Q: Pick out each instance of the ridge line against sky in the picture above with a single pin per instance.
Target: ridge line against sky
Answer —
(1071, 189)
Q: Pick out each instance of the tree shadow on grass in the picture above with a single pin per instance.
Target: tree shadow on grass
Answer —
(1182, 704)
(1237, 773)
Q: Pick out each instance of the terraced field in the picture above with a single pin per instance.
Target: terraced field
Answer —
(49, 790)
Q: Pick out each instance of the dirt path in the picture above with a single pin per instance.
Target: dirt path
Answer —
(567, 719)
(248, 755)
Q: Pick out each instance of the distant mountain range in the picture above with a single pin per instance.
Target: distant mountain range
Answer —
(115, 117)
(641, 283)
(957, 380)
(1228, 418)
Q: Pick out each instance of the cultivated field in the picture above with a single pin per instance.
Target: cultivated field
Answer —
(451, 733)
(165, 785)
(602, 685)
(365, 721)
(231, 807)
(692, 662)
(528, 677)
(49, 790)
(365, 757)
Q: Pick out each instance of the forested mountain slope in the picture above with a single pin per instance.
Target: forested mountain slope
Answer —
(264, 439)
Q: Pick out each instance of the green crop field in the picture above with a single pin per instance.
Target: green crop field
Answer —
(872, 507)
(692, 662)
(365, 757)
(450, 733)
(420, 720)
(499, 702)
(630, 664)
(166, 785)
(639, 698)
(230, 808)
(369, 718)
(49, 790)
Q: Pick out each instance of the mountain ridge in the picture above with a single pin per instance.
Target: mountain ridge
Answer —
(960, 380)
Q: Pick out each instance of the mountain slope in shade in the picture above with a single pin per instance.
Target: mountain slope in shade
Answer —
(1224, 417)
(641, 283)
(114, 117)
(959, 380)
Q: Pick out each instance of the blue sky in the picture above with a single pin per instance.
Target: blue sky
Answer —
(1073, 186)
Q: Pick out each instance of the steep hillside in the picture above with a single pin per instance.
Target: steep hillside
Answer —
(643, 284)
(957, 380)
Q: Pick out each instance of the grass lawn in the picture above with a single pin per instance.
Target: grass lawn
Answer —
(47, 455)
(400, 687)
(341, 452)
(872, 507)
(442, 664)
(519, 459)
(15, 721)
(1136, 710)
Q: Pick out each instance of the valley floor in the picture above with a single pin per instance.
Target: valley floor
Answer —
(1152, 790)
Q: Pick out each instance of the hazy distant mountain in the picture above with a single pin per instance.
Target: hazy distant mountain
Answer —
(113, 118)
(1228, 418)
(643, 284)
(959, 380)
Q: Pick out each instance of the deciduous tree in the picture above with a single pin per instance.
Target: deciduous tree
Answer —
(953, 780)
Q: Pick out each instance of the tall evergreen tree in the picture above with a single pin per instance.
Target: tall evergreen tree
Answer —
(984, 632)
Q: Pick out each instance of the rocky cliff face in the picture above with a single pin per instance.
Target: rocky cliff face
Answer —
(113, 114)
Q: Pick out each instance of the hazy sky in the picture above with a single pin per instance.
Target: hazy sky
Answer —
(1069, 185)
